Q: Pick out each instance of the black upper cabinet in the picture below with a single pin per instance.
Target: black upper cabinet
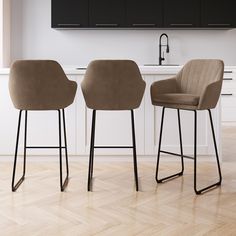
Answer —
(144, 13)
(182, 13)
(107, 13)
(69, 14)
(218, 13)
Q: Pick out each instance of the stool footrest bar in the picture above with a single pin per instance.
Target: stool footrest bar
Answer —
(113, 147)
(176, 154)
(43, 147)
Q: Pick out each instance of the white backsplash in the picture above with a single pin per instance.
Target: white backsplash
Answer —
(33, 37)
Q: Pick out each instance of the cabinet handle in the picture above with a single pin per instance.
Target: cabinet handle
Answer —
(101, 25)
(144, 24)
(69, 24)
(227, 94)
(228, 79)
(228, 71)
(219, 24)
(181, 24)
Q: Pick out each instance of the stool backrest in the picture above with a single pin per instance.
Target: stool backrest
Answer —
(197, 74)
(113, 85)
(40, 85)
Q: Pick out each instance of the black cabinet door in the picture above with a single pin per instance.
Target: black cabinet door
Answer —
(107, 13)
(144, 13)
(218, 13)
(69, 13)
(182, 13)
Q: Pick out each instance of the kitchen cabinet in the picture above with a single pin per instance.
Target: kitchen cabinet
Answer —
(107, 13)
(182, 13)
(218, 13)
(142, 13)
(70, 14)
(228, 96)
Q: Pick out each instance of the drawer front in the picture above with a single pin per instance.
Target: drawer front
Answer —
(228, 99)
(229, 84)
(228, 114)
(226, 92)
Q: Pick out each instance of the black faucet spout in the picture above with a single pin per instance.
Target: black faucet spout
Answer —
(162, 58)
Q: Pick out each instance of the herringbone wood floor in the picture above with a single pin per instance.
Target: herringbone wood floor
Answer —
(114, 208)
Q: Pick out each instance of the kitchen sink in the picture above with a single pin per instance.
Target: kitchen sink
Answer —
(161, 65)
(84, 68)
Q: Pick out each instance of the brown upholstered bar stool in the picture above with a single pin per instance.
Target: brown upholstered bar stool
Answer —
(37, 85)
(112, 85)
(196, 87)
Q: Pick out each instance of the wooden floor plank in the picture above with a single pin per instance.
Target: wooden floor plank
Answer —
(114, 207)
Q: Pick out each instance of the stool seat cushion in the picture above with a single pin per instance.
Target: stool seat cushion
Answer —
(176, 98)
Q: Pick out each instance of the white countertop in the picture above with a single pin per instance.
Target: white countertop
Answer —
(165, 70)
(162, 70)
(143, 69)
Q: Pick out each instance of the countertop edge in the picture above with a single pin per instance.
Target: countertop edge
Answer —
(145, 70)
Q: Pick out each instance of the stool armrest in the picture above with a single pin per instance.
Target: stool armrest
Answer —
(210, 96)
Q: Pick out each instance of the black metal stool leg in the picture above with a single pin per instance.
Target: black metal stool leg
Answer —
(200, 191)
(60, 151)
(91, 174)
(215, 146)
(92, 147)
(159, 146)
(159, 150)
(91, 155)
(64, 183)
(181, 143)
(16, 186)
(134, 151)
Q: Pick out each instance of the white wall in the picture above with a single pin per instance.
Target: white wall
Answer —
(32, 37)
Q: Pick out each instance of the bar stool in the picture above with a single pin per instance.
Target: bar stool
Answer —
(196, 87)
(112, 85)
(39, 85)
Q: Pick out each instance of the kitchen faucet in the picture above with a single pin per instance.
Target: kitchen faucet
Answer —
(162, 58)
